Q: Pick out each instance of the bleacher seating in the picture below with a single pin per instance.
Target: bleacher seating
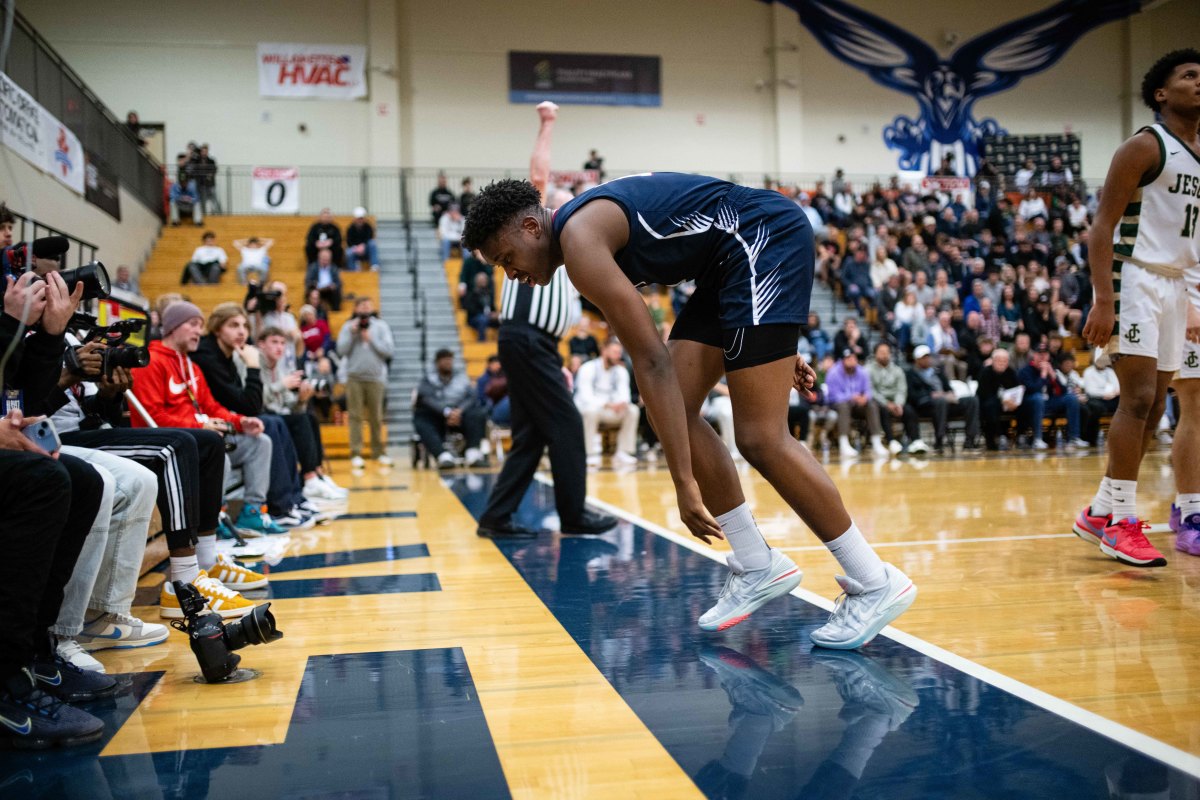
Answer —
(288, 264)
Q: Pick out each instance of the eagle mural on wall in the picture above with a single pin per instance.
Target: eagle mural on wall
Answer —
(946, 89)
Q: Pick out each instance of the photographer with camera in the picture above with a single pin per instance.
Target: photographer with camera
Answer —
(50, 503)
(286, 394)
(175, 394)
(269, 308)
(365, 345)
(231, 366)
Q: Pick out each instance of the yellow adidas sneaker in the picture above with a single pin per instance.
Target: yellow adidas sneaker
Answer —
(225, 602)
(234, 576)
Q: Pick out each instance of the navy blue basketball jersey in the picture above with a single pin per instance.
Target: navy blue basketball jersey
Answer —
(676, 227)
(755, 247)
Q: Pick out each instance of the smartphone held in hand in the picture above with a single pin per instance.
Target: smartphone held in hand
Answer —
(44, 435)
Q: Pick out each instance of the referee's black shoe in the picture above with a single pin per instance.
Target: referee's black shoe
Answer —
(590, 522)
(506, 530)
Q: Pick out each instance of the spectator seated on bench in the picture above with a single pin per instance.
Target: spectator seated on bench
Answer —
(207, 263)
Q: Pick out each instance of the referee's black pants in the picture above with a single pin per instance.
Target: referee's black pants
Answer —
(543, 414)
(190, 467)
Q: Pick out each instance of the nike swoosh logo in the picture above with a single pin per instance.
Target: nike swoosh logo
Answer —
(114, 635)
(24, 730)
(176, 387)
(52, 681)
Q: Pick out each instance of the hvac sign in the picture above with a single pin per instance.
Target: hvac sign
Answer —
(327, 71)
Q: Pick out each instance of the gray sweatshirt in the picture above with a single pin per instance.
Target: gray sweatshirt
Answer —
(366, 361)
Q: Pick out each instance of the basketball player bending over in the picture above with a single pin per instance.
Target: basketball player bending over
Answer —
(751, 255)
(1143, 239)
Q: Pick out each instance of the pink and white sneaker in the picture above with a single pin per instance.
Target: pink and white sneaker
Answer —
(1125, 540)
(1089, 527)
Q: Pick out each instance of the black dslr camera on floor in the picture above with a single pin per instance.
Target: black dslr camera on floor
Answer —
(214, 641)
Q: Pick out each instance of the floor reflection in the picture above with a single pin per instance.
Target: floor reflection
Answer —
(757, 712)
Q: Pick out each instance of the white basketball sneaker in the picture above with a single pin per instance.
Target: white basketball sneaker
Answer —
(859, 615)
(745, 592)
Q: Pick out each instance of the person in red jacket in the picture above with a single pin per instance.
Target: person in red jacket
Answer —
(175, 394)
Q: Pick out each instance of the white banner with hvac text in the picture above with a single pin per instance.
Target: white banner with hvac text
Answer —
(326, 71)
(275, 190)
(38, 137)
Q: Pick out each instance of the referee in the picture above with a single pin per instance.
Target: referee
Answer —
(532, 321)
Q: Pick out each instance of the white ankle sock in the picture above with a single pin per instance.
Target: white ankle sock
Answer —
(206, 551)
(858, 559)
(1102, 502)
(184, 568)
(1188, 504)
(744, 537)
(1124, 499)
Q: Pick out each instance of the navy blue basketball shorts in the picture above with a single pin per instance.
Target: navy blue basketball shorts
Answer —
(758, 298)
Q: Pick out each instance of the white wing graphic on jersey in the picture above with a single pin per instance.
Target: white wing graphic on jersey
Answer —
(764, 288)
(691, 224)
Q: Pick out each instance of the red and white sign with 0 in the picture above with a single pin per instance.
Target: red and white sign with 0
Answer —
(328, 71)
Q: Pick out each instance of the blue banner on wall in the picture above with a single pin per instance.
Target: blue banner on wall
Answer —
(584, 79)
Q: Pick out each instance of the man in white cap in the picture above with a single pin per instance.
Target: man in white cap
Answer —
(360, 242)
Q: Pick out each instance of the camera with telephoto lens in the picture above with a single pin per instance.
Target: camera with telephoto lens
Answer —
(364, 320)
(213, 641)
(19, 258)
(267, 302)
(116, 352)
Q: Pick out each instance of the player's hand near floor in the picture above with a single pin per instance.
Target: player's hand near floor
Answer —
(694, 515)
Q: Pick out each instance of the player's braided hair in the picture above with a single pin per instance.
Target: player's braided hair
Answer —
(495, 207)
(1156, 77)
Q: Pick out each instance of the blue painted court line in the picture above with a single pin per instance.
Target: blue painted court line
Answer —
(340, 587)
(378, 515)
(396, 487)
(757, 712)
(345, 557)
(401, 724)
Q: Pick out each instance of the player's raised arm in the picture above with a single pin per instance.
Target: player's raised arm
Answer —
(589, 240)
(1134, 161)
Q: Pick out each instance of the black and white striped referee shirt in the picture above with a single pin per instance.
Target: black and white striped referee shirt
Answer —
(553, 308)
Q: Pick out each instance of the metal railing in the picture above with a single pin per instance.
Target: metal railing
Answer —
(34, 65)
(26, 229)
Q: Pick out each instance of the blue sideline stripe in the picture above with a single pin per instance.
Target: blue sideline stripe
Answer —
(340, 587)
(342, 558)
(399, 724)
(378, 515)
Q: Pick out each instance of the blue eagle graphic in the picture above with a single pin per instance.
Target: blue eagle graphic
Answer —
(946, 89)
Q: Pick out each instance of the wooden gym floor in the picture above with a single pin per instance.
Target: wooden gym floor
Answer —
(421, 661)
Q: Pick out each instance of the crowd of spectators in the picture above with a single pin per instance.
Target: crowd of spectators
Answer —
(937, 291)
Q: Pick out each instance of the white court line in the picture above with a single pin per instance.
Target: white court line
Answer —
(920, 542)
(1147, 745)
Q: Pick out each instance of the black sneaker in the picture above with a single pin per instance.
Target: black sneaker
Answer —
(504, 530)
(590, 522)
(69, 683)
(31, 718)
